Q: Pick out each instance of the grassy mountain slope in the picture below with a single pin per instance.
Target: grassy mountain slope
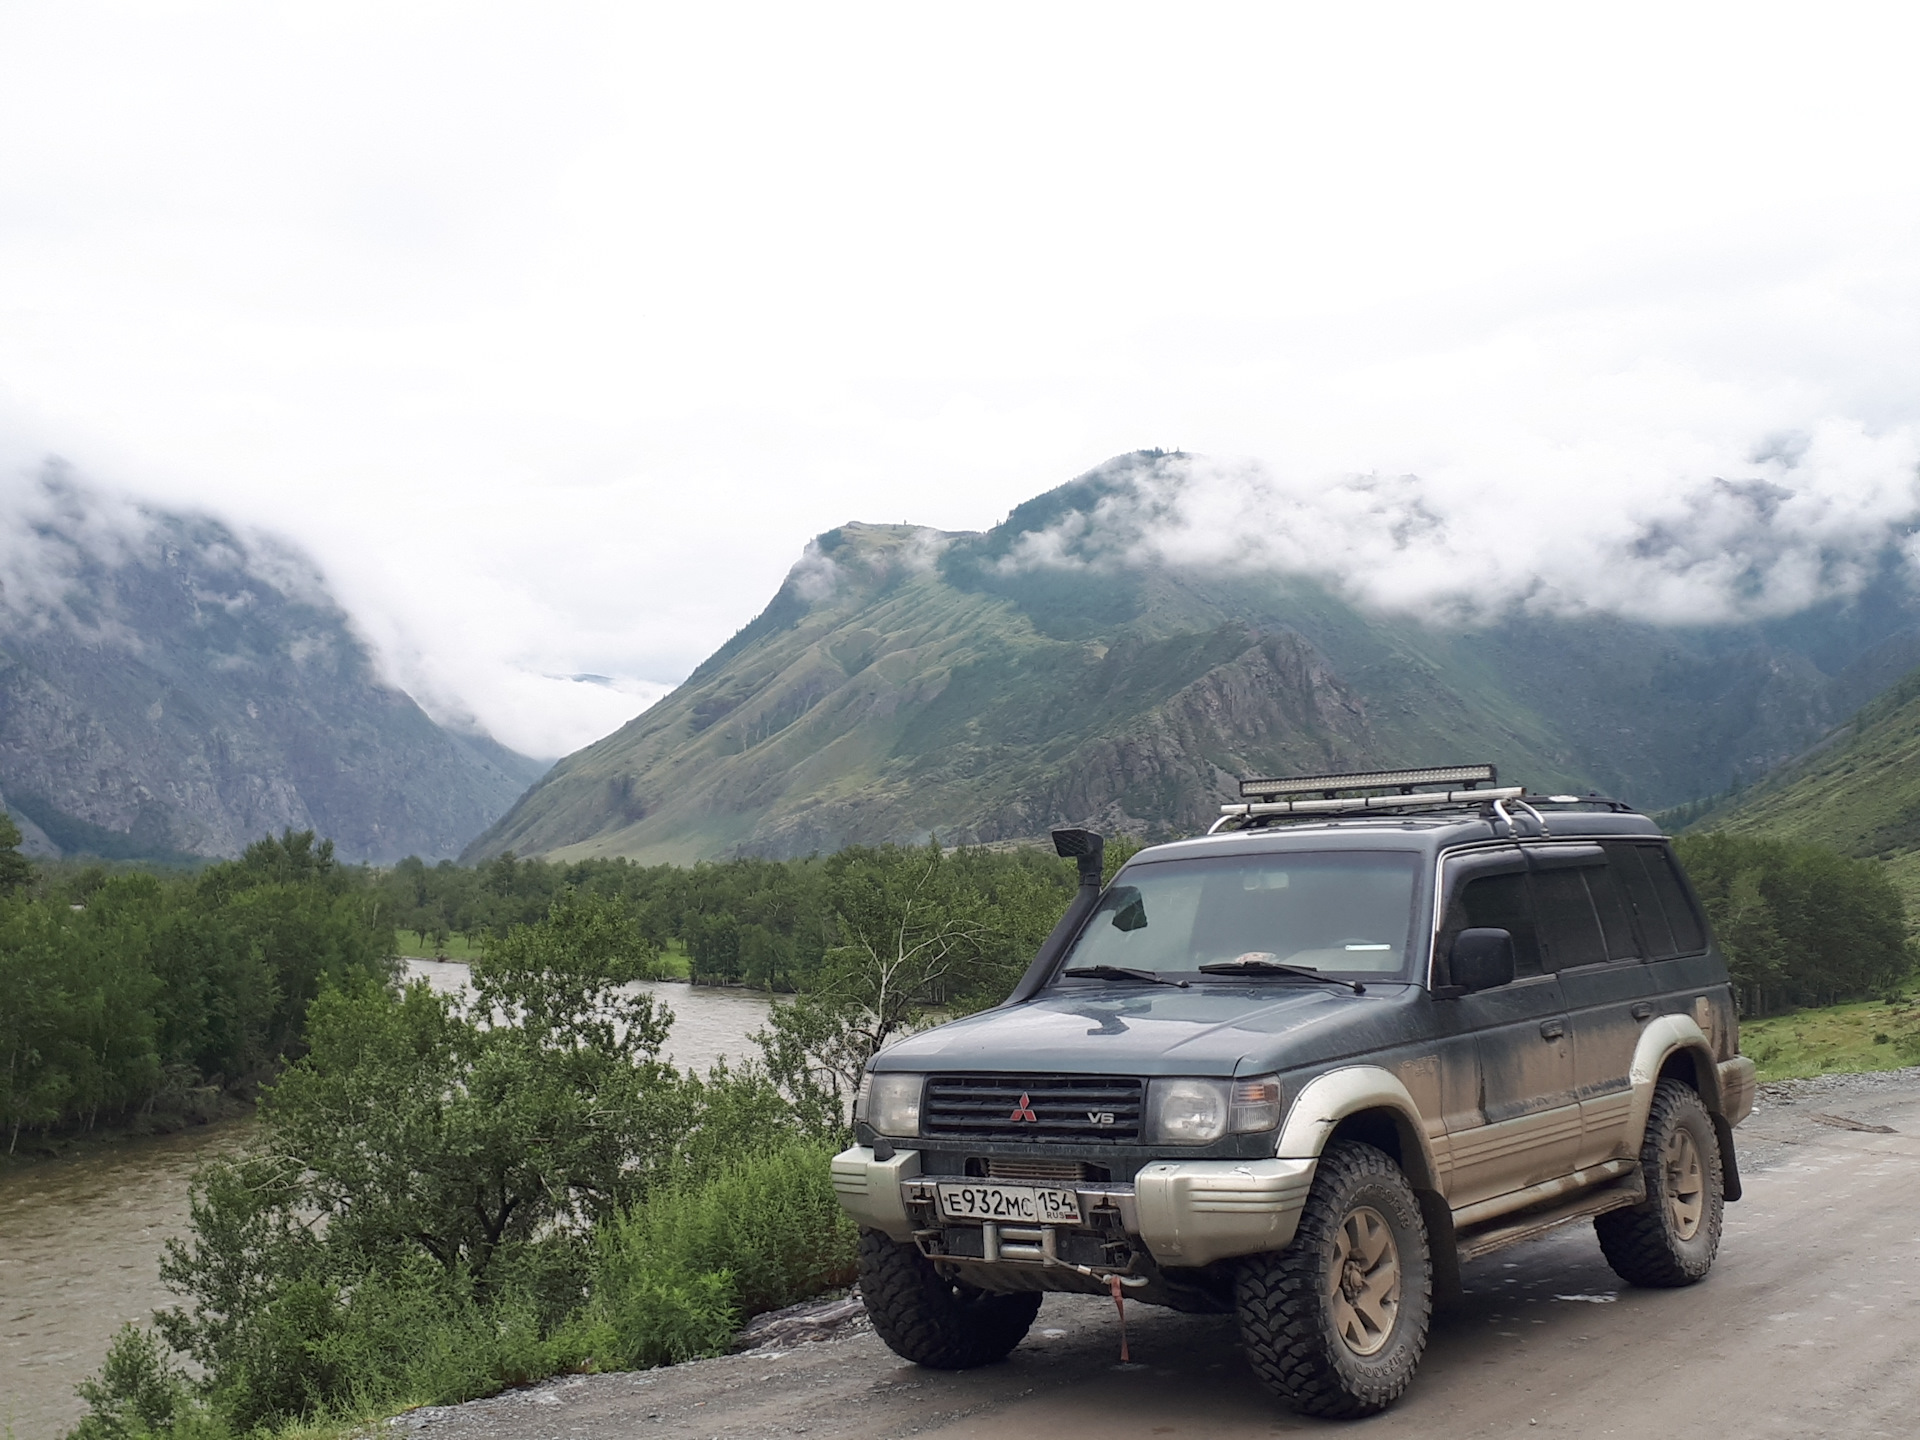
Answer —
(903, 683)
(167, 688)
(1859, 790)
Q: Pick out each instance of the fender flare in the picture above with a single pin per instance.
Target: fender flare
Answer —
(1326, 1100)
(1664, 1037)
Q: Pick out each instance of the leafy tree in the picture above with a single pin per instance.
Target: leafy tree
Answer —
(713, 946)
(1800, 923)
(126, 994)
(918, 933)
(15, 869)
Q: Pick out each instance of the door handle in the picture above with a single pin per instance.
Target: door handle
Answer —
(1552, 1029)
(1642, 1011)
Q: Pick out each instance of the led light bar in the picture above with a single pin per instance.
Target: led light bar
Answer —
(1401, 780)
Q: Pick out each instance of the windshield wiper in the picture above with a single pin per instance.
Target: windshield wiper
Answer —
(1274, 967)
(1122, 972)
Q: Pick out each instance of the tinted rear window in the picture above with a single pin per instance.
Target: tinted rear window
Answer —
(1569, 928)
(1689, 935)
(1616, 920)
(1666, 917)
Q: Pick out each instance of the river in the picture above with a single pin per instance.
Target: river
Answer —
(80, 1237)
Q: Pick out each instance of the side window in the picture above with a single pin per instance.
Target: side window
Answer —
(1501, 902)
(1689, 935)
(1569, 928)
(1631, 871)
(1616, 920)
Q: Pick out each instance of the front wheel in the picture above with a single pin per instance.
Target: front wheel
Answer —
(1671, 1237)
(933, 1321)
(1336, 1323)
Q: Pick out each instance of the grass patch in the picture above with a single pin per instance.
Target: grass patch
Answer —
(456, 947)
(1841, 1039)
(677, 1275)
(675, 963)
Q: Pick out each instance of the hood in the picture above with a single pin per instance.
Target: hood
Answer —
(1237, 1029)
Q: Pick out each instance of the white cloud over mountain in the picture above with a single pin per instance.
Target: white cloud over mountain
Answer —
(553, 333)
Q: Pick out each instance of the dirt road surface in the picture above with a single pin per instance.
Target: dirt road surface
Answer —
(1809, 1326)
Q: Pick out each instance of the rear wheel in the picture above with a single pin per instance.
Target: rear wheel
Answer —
(1336, 1323)
(933, 1321)
(1671, 1237)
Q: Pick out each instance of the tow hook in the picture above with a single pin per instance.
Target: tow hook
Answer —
(1114, 1281)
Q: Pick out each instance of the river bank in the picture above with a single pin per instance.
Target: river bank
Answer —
(213, 1108)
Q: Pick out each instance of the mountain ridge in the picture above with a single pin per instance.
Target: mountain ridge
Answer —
(904, 682)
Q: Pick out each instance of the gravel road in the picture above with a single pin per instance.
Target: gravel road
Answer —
(1809, 1326)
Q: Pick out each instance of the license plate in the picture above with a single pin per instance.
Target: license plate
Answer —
(1010, 1202)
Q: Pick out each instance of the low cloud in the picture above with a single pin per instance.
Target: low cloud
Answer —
(59, 533)
(1791, 521)
(873, 553)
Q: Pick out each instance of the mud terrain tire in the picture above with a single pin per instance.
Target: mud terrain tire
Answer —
(1670, 1238)
(932, 1321)
(1335, 1324)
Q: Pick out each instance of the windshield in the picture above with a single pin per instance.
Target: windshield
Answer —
(1344, 912)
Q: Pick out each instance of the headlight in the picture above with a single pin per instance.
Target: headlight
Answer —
(890, 1103)
(1190, 1111)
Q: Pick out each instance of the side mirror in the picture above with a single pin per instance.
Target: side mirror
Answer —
(1481, 959)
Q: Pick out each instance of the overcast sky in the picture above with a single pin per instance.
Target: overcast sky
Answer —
(553, 331)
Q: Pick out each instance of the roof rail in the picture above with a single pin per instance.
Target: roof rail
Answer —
(1358, 792)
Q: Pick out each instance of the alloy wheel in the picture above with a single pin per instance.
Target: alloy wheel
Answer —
(1686, 1182)
(1365, 1281)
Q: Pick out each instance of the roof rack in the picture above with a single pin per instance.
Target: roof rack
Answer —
(1328, 786)
(1359, 792)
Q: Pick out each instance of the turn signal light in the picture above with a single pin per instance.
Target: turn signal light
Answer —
(1256, 1106)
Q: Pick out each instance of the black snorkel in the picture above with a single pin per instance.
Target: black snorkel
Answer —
(1088, 851)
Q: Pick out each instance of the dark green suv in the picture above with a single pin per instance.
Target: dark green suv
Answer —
(1301, 1068)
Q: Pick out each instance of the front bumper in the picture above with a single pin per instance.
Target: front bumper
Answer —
(1185, 1212)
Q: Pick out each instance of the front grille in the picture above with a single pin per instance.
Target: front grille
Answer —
(1036, 1107)
(999, 1167)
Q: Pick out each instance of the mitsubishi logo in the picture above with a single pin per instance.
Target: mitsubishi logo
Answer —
(1024, 1111)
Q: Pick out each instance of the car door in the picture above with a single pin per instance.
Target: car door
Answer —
(1588, 938)
(1524, 1125)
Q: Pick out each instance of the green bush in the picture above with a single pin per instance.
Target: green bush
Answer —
(677, 1274)
(137, 1392)
(417, 1337)
(316, 1350)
